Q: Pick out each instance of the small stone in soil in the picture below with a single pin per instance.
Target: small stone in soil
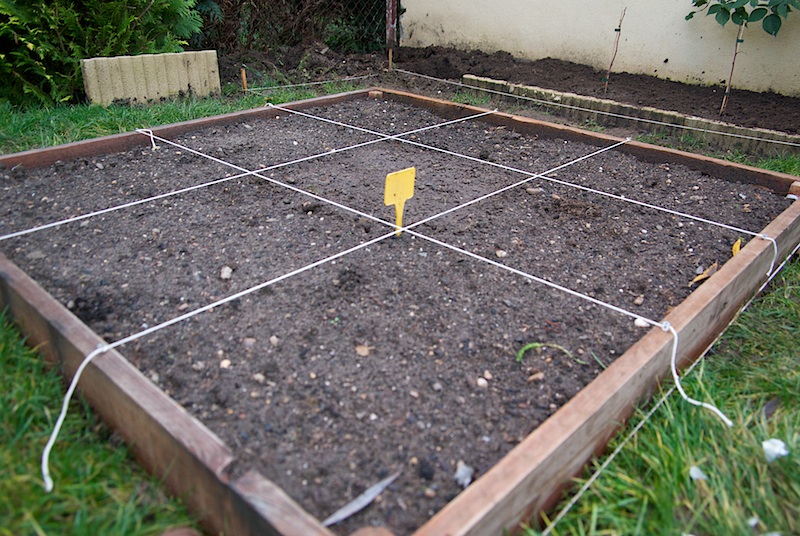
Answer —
(258, 377)
(225, 363)
(226, 272)
(536, 377)
(482, 383)
(430, 493)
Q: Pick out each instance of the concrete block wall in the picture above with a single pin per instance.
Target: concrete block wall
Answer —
(150, 77)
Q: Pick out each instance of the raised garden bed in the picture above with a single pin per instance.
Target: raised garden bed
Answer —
(399, 355)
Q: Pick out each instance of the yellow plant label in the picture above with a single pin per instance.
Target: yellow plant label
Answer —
(399, 188)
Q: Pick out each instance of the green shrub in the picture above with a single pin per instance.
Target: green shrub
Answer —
(43, 41)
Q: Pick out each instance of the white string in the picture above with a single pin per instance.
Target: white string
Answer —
(244, 173)
(664, 326)
(611, 456)
(677, 379)
(150, 133)
(73, 384)
(302, 84)
(599, 112)
(544, 176)
(102, 349)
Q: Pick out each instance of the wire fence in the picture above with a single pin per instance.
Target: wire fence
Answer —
(343, 25)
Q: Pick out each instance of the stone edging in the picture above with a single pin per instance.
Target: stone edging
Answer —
(611, 113)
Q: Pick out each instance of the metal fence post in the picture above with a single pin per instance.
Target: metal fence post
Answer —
(391, 28)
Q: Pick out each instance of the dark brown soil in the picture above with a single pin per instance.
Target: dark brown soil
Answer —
(746, 108)
(397, 356)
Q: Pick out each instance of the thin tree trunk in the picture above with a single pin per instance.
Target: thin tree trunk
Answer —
(739, 41)
(618, 30)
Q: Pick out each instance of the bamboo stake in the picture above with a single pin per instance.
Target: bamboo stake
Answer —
(739, 41)
(243, 73)
(618, 30)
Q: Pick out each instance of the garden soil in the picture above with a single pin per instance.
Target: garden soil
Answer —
(746, 108)
(402, 355)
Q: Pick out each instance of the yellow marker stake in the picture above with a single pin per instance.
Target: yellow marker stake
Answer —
(399, 188)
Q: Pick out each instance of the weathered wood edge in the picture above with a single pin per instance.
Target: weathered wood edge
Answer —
(528, 480)
(128, 140)
(775, 181)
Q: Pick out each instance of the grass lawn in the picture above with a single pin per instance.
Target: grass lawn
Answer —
(100, 490)
(752, 375)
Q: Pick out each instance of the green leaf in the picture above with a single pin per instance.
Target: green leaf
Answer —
(782, 10)
(753, 3)
(757, 14)
(690, 16)
(714, 9)
(739, 16)
(738, 3)
(772, 24)
(723, 16)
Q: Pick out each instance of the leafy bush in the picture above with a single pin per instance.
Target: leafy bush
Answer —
(43, 41)
(771, 13)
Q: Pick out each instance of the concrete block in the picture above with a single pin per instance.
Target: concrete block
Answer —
(150, 77)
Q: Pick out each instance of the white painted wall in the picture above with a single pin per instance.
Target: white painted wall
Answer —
(656, 39)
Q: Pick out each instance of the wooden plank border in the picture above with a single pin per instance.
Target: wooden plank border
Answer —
(195, 464)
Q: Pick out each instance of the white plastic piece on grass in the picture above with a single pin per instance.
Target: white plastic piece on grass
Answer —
(753, 522)
(463, 474)
(774, 449)
(697, 474)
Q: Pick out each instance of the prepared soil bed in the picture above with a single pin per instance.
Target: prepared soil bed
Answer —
(399, 356)
(746, 108)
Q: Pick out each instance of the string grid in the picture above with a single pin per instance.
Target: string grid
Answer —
(411, 229)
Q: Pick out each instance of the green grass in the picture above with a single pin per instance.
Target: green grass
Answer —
(44, 127)
(647, 489)
(99, 488)
(471, 97)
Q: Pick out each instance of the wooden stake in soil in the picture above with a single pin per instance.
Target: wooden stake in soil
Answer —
(399, 188)
(244, 79)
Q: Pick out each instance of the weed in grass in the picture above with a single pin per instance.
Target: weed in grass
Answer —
(99, 489)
